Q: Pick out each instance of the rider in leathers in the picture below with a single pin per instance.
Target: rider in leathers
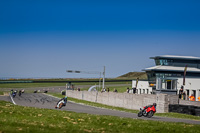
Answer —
(63, 99)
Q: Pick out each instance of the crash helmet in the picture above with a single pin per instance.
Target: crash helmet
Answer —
(66, 97)
(154, 104)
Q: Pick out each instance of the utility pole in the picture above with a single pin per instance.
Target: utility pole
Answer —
(103, 77)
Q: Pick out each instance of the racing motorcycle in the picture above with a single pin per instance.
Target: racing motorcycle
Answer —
(147, 111)
(14, 94)
(60, 104)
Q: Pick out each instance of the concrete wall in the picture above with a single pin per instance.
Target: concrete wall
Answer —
(185, 102)
(125, 100)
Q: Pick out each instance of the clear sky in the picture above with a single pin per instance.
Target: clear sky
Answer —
(44, 38)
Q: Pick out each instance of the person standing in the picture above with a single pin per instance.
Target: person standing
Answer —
(128, 90)
(192, 98)
(181, 92)
(134, 90)
(198, 98)
(184, 95)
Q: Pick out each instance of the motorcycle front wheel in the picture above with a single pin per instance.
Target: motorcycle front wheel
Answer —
(60, 106)
(150, 114)
(140, 114)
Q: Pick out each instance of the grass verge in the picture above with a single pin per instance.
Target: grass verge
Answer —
(16, 118)
(1, 93)
(172, 115)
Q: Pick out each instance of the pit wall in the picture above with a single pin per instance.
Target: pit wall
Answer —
(125, 100)
(185, 102)
(173, 100)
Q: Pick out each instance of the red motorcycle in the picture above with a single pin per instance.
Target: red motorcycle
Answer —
(148, 111)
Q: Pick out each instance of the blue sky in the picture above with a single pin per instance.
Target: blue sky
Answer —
(40, 38)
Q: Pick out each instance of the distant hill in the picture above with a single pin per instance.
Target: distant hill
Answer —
(134, 75)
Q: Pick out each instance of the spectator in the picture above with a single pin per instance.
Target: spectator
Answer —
(115, 90)
(181, 92)
(108, 89)
(127, 90)
(134, 90)
(79, 89)
(192, 98)
(184, 95)
(198, 98)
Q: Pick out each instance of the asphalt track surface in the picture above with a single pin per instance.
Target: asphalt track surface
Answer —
(41, 100)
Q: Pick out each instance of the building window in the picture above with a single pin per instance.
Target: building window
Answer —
(166, 84)
(163, 62)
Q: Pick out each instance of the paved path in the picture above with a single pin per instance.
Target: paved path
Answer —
(44, 101)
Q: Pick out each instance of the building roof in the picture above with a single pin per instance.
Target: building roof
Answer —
(172, 68)
(176, 57)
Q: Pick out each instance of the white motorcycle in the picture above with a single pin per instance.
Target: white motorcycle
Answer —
(60, 104)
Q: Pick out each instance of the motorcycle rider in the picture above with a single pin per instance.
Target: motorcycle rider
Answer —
(14, 93)
(64, 102)
(20, 92)
(154, 104)
(148, 111)
(11, 92)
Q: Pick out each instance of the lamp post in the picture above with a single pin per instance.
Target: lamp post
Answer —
(103, 77)
(91, 72)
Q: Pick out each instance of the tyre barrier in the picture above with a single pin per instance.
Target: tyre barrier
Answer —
(185, 109)
(63, 92)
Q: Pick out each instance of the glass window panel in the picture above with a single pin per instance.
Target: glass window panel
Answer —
(168, 84)
(174, 84)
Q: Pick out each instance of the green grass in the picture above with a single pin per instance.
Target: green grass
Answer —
(172, 115)
(28, 85)
(1, 93)
(15, 118)
(120, 89)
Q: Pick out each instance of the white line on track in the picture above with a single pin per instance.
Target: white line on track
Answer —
(12, 100)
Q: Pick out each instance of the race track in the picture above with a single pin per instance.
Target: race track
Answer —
(41, 100)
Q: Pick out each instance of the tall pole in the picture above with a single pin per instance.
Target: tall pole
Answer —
(103, 77)
(100, 82)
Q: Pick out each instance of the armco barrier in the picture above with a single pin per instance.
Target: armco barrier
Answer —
(185, 109)
(125, 100)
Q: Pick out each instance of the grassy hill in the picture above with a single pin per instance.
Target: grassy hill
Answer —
(134, 75)
(16, 119)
